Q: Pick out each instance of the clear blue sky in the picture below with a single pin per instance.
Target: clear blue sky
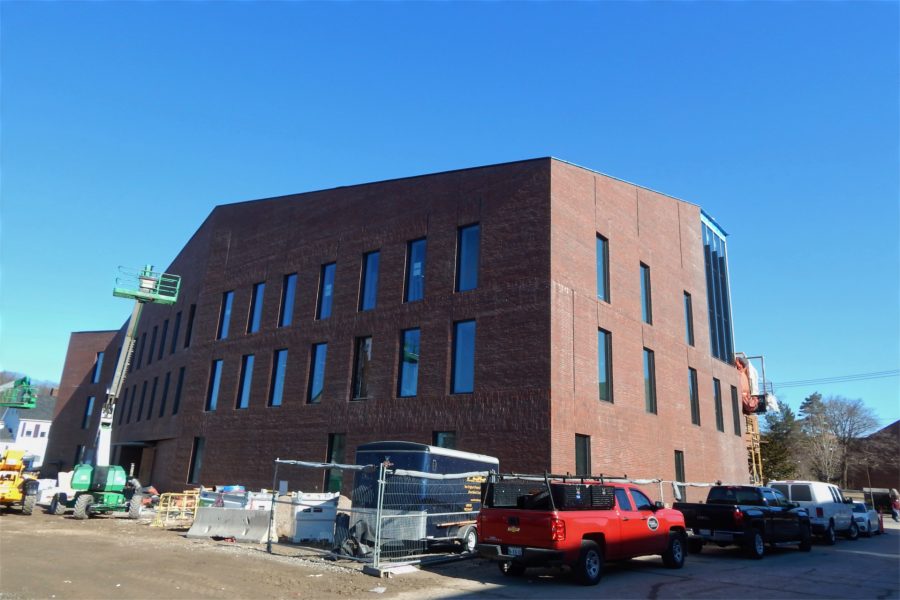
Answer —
(124, 124)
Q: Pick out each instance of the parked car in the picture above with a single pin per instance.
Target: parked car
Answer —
(747, 516)
(866, 519)
(579, 522)
(830, 512)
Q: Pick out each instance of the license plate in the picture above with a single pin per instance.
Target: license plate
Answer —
(514, 551)
(705, 532)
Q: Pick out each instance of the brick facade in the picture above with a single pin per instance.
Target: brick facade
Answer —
(536, 315)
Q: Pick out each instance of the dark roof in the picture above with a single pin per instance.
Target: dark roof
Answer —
(43, 410)
(5, 435)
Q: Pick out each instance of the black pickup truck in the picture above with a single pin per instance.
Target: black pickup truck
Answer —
(747, 516)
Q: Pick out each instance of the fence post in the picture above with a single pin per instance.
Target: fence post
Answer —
(379, 505)
(272, 510)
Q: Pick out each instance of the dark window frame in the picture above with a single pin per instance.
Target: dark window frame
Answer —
(278, 377)
(368, 281)
(257, 300)
(455, 387)
(245, 382)
(189, 331)
(646, 295)
(315, 374)
(650, 398)
(88, 411)
(717, 400)
(225, 310)
(602, 257)
(214, 387)
(464, 260)
(288, 299)
(196, 464)
(325, 300)
(605, 364)
(414, 285)
(582, 454)
(359, 380)
(98, 367)
(694, 391)
(688, 319)
(736, 411)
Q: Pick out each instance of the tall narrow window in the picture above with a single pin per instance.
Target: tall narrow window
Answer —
(604, 364)
(279, 371)
(131, 404)
(415, 271)
(215, 379)
(175, 331)
(256, 306)
(189, 333)
(467, 257)
(152, 344)
(288, 291)
(361, 364)
(88, 411)
(141, 350)
(162, 340)
(735, 411)
(196, 460)
(326, 290)
(717, 395)
(679, 472)
(649, 381)
(463, 375)
(224, 316)
(444, 439)
(582, 454)
(718, 297)
(316, 373)
(602, 268)
(140, 410)
(688, 320)
(152, 398)
(122, 406)
(176, 403)
(165, 395)
(246, 380)
(409, 363)
(646, 301)
(695, 396)
(98, 367)
(334, 478)
(368, 286)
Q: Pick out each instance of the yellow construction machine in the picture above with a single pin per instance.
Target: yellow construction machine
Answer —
(16, 486)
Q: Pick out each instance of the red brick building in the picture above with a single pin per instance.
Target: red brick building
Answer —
(537, 311)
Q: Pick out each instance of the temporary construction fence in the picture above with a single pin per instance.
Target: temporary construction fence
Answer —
(397, 516)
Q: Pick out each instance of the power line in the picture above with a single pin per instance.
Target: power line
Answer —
(839, 379)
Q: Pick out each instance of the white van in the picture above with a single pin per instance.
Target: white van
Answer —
(830, 512)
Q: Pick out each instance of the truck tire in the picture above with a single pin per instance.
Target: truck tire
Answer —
(135, 506)
(511, 569)
(28, 504)
(589, 567)
(56, 507)
(829, 537)
(695, 545)
(852, 533)
(755, 544)
(673, 557)
(83, 506)
(805, 538)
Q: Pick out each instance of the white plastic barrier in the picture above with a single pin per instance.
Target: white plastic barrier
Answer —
(314, 516)
(241, 524)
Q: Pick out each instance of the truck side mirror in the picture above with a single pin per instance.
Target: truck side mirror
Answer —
(658, 505)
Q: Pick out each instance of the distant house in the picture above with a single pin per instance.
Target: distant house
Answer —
(28, 429)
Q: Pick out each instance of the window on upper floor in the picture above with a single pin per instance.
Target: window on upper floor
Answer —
(176, 403)
(582, 454)
(316, 373)
(279, 373)
(649, 381)
(688, 320)
(646, 300)
(414, 287)
(245, 382)
(717, 292)
(735, 411)
(256, 307)
(717, 397)
(468, 249)
(98, 367)
(225, 316)
(152, 344)
(409, 363)
(212, 389)
(189, 333)
(602, 268)
(361, 363)
(604, 364)
(162, 341)
(326, 291)
(165, 395)
(176, 328)
(694, 396)
(288, 291)
(463, 368)
(196, 460)
(368, 285)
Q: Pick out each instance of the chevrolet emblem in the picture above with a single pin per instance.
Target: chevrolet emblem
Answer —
(512, 529)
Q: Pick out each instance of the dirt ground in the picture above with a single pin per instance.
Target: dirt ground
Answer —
(44, 556)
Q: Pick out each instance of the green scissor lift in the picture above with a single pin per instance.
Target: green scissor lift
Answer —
(18, 393)
(101, 487)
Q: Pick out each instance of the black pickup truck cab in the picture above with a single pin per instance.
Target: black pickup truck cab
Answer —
(747, 516)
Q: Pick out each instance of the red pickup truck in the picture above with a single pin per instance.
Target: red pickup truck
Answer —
(546, 520)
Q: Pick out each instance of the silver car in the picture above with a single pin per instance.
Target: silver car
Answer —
(866, 519)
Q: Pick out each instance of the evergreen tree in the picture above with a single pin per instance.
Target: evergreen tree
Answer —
(779, 443)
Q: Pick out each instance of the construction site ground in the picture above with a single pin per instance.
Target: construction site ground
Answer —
(44, 556)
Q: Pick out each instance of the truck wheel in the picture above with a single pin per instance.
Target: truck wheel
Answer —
(511, 569)
(755, 545)
(589, 567)
(805, 538)
(28, 504)
(56, 507)
(853, 533)
(695, 545)
(829, 538)
(135, 506)
(83, 506)
(673, 557)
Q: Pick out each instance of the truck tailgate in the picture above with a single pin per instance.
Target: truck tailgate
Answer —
(509, 526)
